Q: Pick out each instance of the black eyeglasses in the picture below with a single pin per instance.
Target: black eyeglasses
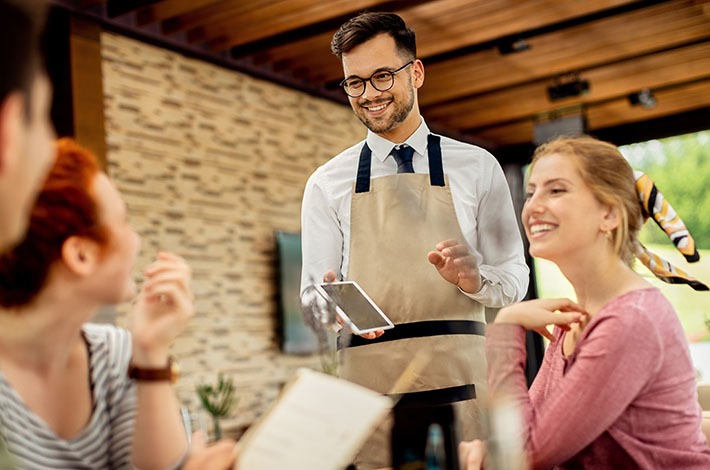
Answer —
(382, 80)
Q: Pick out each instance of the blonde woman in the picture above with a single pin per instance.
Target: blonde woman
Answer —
(617, 387)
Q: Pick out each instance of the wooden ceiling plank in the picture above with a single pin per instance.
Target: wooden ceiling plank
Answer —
(212, 12)
(589, 46)
(170, 9)
(489, 52)
(435, 19)
(668, 102)
(295, 15)
(508, 18)
(609, 114)
(649, 72)
(328, 25)
(115, 8)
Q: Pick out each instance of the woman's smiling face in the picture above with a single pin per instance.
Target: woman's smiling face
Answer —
(561, 216)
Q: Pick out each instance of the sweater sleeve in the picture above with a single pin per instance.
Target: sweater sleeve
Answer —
(612, 363)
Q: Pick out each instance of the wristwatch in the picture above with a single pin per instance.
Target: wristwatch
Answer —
(171, 372)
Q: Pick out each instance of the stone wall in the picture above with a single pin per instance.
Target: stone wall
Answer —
(211, 162)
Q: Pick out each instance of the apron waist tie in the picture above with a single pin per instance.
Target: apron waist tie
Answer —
(420, 329)
(438, 397)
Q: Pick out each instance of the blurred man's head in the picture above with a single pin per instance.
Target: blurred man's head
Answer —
(26, 133)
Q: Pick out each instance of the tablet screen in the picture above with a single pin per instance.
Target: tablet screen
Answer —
(356, 306)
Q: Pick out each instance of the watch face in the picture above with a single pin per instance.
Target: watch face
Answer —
(174, 371)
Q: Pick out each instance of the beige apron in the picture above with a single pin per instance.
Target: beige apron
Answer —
(395, 221)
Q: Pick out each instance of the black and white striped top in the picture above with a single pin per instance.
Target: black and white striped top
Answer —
(106, 441)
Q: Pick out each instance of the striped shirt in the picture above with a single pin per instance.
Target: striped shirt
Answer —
(106, 442)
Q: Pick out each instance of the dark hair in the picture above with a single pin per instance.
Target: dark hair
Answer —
(366, 26)
(65, 207)
(610, 178)
(21, 25)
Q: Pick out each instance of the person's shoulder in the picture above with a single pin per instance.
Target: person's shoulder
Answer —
(641, 309)
(106, 334)
(646, 301)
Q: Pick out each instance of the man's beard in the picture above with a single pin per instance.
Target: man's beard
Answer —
(400, 114)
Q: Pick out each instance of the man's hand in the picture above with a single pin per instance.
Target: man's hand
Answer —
(331, 277)
(472, 455)
(457, 265)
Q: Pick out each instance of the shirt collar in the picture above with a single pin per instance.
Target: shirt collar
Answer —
(382, 148)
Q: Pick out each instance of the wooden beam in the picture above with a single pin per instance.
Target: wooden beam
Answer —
(615, 112)
(277, 19)
(87, 86)
(170, 8)
(328, 25)
(586, 47)
(121, 7)
(211, 13)
(468, 23)
(676, 66)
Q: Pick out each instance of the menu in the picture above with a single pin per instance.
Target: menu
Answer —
(319, 422)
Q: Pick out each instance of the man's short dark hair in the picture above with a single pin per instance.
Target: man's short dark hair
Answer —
(366, 26)
(21, 25)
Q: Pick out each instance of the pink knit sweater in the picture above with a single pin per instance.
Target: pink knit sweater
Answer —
(625, 398)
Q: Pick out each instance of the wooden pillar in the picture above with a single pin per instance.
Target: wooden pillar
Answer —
(87, 86)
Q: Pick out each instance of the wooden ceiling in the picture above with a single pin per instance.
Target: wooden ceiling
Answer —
(473, 90)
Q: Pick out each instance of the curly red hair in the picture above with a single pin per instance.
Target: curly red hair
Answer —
(65, 207)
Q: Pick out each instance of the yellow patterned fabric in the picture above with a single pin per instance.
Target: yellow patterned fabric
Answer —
(655, 206)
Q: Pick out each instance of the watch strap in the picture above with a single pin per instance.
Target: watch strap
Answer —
(169, 373)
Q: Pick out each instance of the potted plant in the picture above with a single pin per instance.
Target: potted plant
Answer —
(218, 400)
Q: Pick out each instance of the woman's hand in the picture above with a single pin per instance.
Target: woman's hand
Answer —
(536, 314)
(472, 455)
(457, 265)
(218, 456)
(162, 309)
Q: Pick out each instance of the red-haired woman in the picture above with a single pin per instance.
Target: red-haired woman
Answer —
(66, 400)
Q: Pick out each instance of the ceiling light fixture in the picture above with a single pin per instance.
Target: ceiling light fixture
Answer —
(643, 98)
(567, 86)
(511, 46)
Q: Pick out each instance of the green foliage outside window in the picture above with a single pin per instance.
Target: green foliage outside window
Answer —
(680, 167)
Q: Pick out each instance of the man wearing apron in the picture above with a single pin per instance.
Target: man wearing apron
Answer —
(431, 248)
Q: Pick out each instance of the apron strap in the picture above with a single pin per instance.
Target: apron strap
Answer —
(436, 167)
(420, 329)
(437, 397)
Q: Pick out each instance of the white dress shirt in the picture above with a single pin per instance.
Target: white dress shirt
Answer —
(481, 201)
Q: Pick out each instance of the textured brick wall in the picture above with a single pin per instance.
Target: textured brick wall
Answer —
(210, 163)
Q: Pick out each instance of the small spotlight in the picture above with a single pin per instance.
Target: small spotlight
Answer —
(512, 46)
(566, 87)
(643, 98)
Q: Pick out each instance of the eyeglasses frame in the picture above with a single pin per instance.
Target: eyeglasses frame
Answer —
(369, 79)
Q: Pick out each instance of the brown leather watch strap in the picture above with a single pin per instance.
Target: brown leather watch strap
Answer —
(168, 373)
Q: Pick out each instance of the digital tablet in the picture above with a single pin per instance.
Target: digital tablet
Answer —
(354, 307)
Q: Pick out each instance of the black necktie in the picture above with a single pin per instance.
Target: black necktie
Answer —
(403, 156)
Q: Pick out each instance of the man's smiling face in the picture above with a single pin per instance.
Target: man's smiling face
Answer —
(394, 113)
